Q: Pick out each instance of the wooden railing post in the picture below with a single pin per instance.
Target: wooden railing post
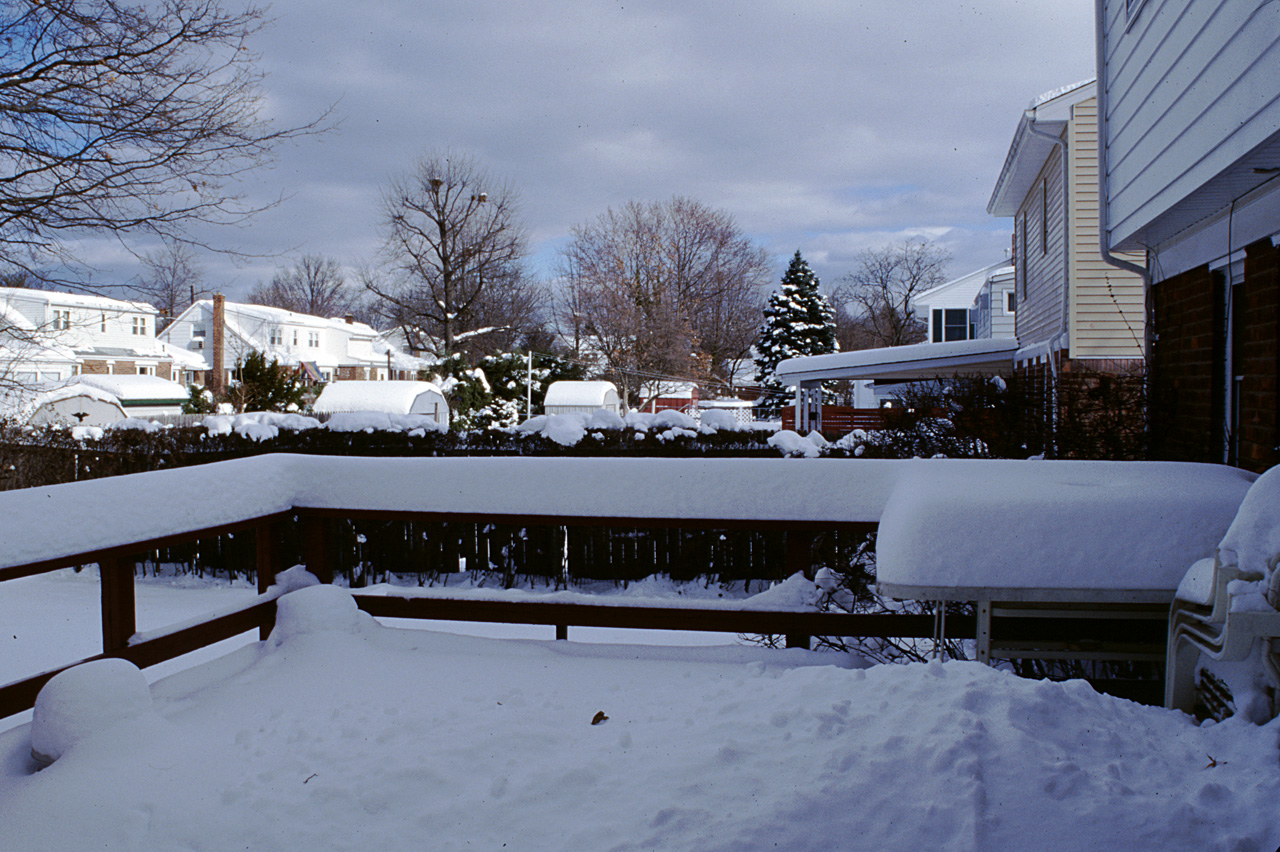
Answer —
(119, 615)
(799, 560)
(317, 550)
(267, 559)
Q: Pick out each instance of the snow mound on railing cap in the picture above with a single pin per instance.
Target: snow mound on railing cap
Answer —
(795, 592)
(86, 700)
(1252, 542)
(318, 609)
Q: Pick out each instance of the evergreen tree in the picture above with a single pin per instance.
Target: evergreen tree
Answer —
(264, 386)
(798, 320)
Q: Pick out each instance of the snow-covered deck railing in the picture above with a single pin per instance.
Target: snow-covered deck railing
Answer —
(949, 530)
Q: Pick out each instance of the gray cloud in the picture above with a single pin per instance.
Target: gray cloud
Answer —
(824, 126)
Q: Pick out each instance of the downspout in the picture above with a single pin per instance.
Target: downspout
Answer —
(1104, 183)
(1061, 145)
(1104, 203)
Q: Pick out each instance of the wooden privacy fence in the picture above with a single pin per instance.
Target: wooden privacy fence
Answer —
(838, 420)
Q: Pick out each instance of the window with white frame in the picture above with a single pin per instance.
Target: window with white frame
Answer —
(61, 319)
(139, 325)
(104, 322)
(276, 335)
(1010, 301)
(295, 337)
(313, 339)
(144, 370)
(951, 324)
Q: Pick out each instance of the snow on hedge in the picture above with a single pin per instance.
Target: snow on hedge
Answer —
(963, 523)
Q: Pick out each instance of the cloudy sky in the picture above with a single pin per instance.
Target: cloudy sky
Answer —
(829, 126)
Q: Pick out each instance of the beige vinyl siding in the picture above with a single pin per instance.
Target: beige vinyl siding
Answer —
(1107, 307)
(1191, 89)
(1039, 314)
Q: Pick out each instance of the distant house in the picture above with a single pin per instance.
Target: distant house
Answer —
(50, 336)
(995, 306)
(1190, 177)
(1074, 312)
(674, 396)
(322, 350)
(581, 396)
(947, 310)
(389, 397)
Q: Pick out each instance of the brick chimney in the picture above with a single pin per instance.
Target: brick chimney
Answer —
(217, 376)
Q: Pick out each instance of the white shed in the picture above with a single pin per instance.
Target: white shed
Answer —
(73, 405)
(566, 397)
(398, 397)
(141, 396)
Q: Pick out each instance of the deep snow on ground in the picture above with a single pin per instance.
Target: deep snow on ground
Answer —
(340, 734)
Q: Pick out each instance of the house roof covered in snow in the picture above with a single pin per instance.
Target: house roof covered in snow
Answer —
(75, 300)
(958, 292)
(136, 389)
(920, 361)
(1028, 152)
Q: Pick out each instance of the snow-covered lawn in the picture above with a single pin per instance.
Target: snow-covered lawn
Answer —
(340, 734)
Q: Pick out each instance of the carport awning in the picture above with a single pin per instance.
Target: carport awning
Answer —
(918, 362)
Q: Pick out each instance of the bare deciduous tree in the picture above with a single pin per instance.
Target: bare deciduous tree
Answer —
(455, 247)
(172, 282)
(878, 293)
(315, 285)
(124, 118)
(669, 288)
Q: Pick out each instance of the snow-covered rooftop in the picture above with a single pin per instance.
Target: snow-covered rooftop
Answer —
(81, 300)
(132, 388)
(902, 363)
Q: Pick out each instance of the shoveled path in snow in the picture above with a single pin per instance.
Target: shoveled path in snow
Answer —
(340, 734)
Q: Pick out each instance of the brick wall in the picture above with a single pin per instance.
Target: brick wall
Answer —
(1185, 397)
(1188, 392)
(1257, 357)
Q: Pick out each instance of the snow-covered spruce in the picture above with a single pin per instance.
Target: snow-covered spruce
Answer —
(797, 321)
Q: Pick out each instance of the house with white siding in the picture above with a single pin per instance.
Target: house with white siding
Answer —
(1189, 174)
(50, 336)
(947, 310)
(1074, 311)
(996, 305)
(323, 350)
